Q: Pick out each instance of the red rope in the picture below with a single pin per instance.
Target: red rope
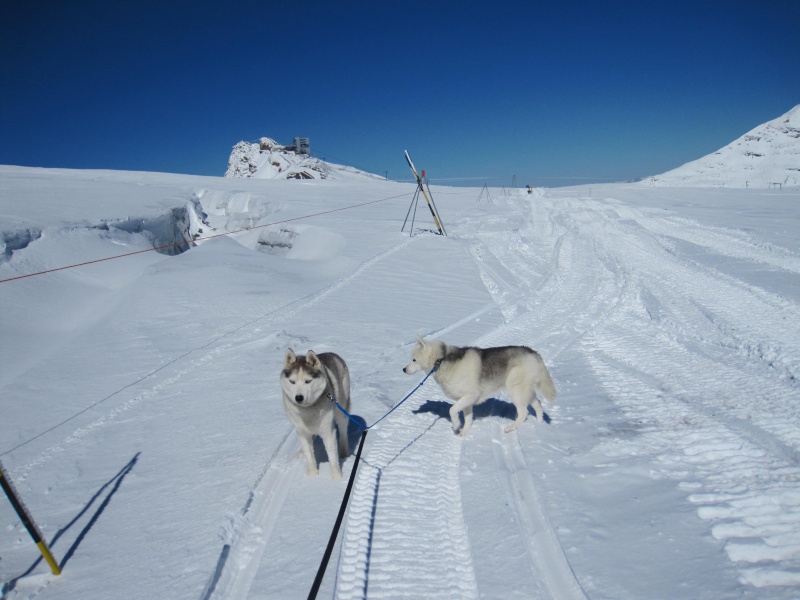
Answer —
(199, 239)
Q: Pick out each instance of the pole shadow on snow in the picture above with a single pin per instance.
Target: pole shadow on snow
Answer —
(492, 407)
(115, 483)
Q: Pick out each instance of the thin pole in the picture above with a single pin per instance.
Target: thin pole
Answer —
(8, 488)
(413, 204)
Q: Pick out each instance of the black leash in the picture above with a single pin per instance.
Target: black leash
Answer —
(335, 533)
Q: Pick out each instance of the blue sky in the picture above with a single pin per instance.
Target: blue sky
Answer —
(553, 93)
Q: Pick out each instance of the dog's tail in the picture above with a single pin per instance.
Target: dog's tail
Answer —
(546, 386)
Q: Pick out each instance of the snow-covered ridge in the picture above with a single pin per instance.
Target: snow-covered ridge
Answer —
(267, 159)
(767, 156)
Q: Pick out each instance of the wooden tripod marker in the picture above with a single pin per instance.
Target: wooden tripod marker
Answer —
(429, 200)
(19, 507)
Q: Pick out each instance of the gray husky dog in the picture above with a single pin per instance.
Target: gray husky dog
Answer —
(309, 383)
(471, 375)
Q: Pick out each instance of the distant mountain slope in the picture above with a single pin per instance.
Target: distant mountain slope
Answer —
(267, 159)
(764, 157)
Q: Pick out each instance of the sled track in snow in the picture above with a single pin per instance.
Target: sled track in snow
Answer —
(398, 509)
(544, 549)
(248, 535)
(548, 303)
(700, 356)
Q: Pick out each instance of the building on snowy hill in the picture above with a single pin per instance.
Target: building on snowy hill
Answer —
(302, 146)
(267, 159)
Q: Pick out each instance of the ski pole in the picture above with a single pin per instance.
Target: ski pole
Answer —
(19, 507)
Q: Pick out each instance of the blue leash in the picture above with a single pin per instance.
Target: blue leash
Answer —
(411, 393)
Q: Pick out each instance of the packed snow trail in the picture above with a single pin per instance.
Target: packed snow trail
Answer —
(699, 358)
(605, 282)
(701, 355)
(406, 535)
(259, 547)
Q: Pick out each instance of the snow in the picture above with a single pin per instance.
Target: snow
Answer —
(765, 157)
(143, 424)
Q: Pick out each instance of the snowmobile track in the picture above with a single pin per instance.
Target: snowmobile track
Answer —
(398, 509)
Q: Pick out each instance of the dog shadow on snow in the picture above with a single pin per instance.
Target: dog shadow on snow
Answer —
(493, 407)
(353, 438)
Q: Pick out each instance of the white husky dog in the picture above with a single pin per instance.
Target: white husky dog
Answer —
(309, 383)
(471, 375)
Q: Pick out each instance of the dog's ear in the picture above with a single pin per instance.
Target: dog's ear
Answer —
(290, 359)
(420, 341)
(312, 360)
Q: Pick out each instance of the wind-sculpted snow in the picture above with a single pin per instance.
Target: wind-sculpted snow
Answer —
(170, 233)
(12, 241)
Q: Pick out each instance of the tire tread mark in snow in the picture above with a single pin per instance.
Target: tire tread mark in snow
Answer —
(405, 535)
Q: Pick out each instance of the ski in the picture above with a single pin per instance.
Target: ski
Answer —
(421, 188)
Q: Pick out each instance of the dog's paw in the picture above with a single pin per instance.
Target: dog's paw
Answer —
(511, 428)
(336, 475)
